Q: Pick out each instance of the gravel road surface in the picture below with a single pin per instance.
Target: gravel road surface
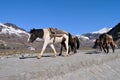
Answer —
(84, 65)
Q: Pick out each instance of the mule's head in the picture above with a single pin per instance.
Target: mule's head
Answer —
(32, 36)
(96, 43)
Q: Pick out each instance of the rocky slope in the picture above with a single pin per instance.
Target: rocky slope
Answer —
(13, 36)
(115, 32)
(10, 31)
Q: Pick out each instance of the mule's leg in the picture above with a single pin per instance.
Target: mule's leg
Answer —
(67, 47)
(104, 47)
(52, 46)
(43, 49)
(62, 46)
(75, 47)
(113, 47)
(61, 49)
(107, 47)
(100, 47)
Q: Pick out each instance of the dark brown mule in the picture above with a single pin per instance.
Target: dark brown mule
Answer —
(97, 45)
(105, 40)
(74, 46)
(76, 43)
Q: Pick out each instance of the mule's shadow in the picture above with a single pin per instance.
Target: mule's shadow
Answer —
(93, 52)
(26, 57)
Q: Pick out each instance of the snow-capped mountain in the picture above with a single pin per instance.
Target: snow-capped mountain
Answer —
(103, 30)
(95, 34)
(84, 37)
(10, 29)
(12, 36)
(87, 39)
(115, 32)
(10, 32)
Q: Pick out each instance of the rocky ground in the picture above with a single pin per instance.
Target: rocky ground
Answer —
(85, 65)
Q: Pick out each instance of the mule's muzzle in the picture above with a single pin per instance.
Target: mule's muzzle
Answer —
(29, 40)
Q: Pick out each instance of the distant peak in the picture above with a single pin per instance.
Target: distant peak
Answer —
(103, 30)
(1, 24)
(13, 25)
(11, 29)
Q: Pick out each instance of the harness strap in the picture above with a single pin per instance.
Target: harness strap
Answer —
(56, 31)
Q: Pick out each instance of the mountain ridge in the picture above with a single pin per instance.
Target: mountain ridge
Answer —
(11, 33)
(14, 26)
(95, 34)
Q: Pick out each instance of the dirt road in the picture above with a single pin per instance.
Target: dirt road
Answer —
(85, 65)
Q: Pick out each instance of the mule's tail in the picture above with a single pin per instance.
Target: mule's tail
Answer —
(78, 43)
(70, 41)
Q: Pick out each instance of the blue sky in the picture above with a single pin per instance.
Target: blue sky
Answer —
(74, 16)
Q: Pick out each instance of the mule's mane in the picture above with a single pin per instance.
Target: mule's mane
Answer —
(33, 30)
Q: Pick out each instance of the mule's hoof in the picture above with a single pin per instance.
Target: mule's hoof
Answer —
(75, 51)
(54, 56)
(22, 57)
(59, 54)
(66, 55)
(39, 56)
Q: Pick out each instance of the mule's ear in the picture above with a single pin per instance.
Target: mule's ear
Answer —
(32, 30)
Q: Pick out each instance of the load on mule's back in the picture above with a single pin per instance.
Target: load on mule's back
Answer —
(105, 40)
(50, 36)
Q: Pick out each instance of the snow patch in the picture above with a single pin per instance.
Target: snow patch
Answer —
(10, 30)
(104, 30)
(84, 37)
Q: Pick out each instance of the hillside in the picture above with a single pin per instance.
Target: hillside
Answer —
(115, 32)
(11, 31)
(13, 36)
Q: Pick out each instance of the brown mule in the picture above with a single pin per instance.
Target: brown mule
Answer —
(105, 40)
(97, 45)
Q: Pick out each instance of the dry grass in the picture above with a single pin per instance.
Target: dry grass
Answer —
(19, 48)
(23, 51)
